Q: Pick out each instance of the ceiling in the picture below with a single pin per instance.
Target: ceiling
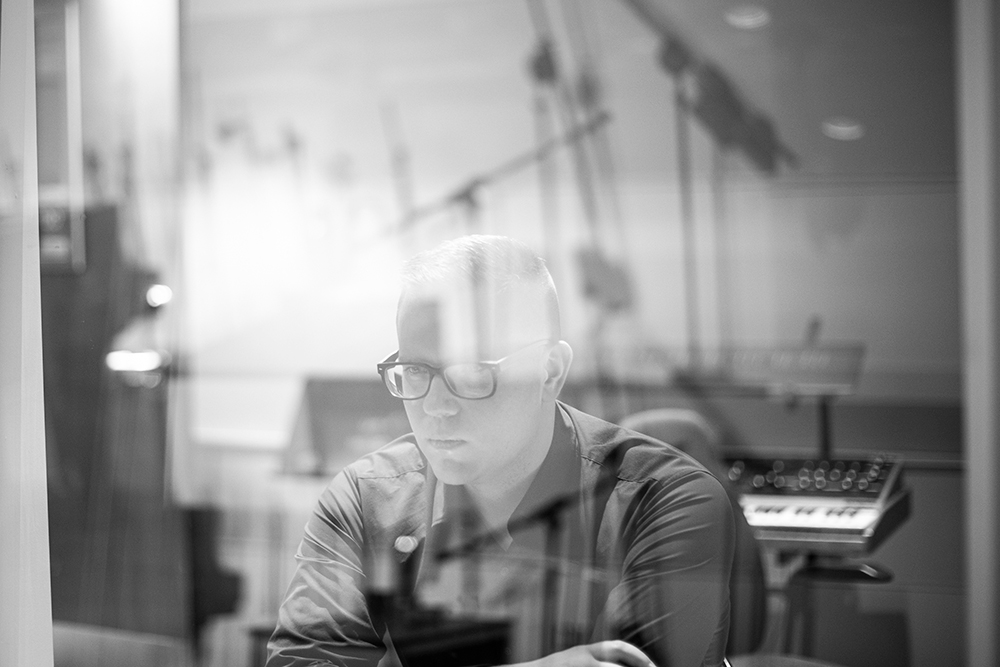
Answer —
(889, 65)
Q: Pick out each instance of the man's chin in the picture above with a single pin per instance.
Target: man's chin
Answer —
(449, 470)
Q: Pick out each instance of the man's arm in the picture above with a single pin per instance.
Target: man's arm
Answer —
(614, 652)
(324, 619)
(673, 598)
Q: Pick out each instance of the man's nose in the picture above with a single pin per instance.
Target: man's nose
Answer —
(439, 401)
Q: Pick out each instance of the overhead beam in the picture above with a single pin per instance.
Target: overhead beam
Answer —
(711, 97)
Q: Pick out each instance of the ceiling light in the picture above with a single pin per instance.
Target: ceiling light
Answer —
(843, 128)
(748, 17)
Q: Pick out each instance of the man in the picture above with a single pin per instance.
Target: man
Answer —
(598, 545)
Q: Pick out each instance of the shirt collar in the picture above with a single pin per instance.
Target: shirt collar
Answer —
(557, 481)
(558, 478)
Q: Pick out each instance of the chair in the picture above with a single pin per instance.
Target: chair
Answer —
(690, 432)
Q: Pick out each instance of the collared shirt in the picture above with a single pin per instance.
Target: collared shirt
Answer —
(618, 537)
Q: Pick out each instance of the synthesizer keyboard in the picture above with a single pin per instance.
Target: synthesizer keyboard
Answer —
(835, 507)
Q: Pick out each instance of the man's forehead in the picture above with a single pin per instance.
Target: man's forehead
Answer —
(449, 321)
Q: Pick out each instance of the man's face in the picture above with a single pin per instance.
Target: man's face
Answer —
(487, 440)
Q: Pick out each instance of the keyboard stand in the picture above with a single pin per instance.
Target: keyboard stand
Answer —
(779, 569)
(789, 600)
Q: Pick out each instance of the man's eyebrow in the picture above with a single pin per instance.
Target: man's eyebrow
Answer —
(442, 363)
(417, 359)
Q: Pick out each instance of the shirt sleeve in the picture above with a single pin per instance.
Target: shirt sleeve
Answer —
(324, 619)
(673, 597)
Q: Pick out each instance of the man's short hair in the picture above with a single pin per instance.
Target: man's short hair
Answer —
(493, 265)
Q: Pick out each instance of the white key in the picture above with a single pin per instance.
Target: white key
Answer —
(781, 515)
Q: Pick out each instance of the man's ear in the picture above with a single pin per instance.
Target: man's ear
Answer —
(557, 368)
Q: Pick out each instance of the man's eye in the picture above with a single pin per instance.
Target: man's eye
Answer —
(469, 373)
(414, 371)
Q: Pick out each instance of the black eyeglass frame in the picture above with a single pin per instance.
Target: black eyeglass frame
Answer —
(493, 366)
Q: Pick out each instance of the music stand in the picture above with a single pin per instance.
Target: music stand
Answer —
(823, 372)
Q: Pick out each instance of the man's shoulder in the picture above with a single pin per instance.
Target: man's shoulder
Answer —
(395, 459)
(630, 455)
(378, 496)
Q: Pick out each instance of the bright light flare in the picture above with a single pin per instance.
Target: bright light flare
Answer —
(139, 362)
(158, 295)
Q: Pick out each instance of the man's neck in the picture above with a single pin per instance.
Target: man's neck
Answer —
(499, 495)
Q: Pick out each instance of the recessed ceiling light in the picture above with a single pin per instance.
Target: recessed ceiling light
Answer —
(748, 17)
(843, 128)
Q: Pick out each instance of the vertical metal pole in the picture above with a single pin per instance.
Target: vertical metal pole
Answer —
(723, 302)
(978, 69)
(74, 134)
(825, 428)
(687, 225)
(550, 634)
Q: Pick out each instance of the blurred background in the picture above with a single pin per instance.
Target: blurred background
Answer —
(227, 189)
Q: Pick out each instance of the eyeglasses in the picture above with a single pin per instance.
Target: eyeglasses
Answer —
(474, 380)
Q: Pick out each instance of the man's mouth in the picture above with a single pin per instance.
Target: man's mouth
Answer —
(445, 443)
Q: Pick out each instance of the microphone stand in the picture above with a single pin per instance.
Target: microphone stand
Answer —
(466, 195)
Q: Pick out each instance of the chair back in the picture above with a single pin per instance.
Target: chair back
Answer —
(691, 433)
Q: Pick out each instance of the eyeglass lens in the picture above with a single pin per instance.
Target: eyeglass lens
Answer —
(464, 380)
